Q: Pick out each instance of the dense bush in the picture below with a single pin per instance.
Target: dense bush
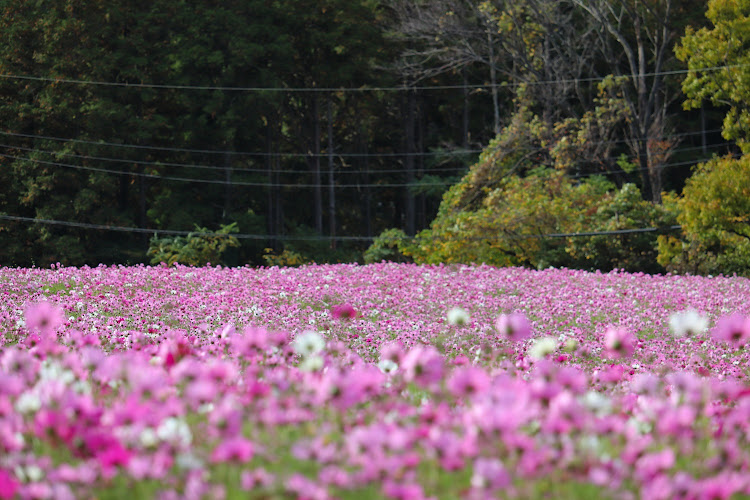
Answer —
(714, 211)
(523, 221)
(196, 249)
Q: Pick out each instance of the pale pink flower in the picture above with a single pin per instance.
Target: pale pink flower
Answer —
(467, 381)
(619, 343)
(734, 328)
(490, 474)
(44, 317)
(423, 365)
(236, 449)
(258, 478)
(514, 326)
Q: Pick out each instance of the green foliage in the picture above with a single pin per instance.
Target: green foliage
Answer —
(388, 246)
(714, 211)
(196, 249)
(287, 258)
(520, 192)
(621, 209)
(722, 51)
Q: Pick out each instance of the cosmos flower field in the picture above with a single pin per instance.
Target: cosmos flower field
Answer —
(382, 381)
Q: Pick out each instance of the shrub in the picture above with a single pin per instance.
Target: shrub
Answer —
(388, 246)
(198, 248)
(714, 211)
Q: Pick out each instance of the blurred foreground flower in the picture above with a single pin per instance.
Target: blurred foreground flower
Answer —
(514, 326)
(687, 323)
(387, 366)
(734, 328)
(8, 485)
(343, 311)
(308, 343)
(458, 317)
(543, 347)
(44, 317)
(619, 343)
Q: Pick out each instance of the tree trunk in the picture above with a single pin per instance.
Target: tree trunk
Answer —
(331, 179)
(364, 162)
(465, 129)
(317, 180)
(409, 124)
(142, 217)
(421, 198)
(271, 217)
(227, 186)
(493, 82)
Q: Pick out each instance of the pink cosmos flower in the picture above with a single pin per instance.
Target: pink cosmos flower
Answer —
(343, 311)
(258, 478)
(393, 351)
(305, 489)
(619, 343)
(406, 491)
(43, 317)
(237, 449)
(467, 381)
(490, 474)
(651, 465)
(734, 328)
(8, 486)
(514, 326)
(423, 365)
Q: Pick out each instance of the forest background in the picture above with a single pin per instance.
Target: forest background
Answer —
(595, 134)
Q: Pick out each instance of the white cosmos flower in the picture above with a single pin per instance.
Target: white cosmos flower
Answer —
(28, 402)
(542, 347)
(597, 402)
(458, 316)
(387, 366)
(687, 323)
(148, 437)
(311, 363)
(308, 343)
(175, 431)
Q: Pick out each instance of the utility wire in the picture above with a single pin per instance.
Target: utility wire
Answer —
(446, 182)
(239, 153)
(363, 88)
(215, 167)
(328, 238)
(220, 181)
(306, 155)
(298, 171)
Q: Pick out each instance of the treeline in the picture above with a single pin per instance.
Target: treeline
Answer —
(311, 127)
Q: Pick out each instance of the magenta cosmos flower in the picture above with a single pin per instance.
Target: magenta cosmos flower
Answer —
(734, 328)
(343, 311)
(8, 486)
(43, 317)
(513, 326)
(619, 343)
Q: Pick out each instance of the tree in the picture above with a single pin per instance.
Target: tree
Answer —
(518, 199)
(714, 211)
(719, 65)
(636, 40)
(516, 42)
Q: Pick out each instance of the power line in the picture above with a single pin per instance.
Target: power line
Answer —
(447, 182)
(215, 167)
(358, 171)
(306, 155)
(238, 153)
(221, 181)
(363, 88)
(328, 238)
